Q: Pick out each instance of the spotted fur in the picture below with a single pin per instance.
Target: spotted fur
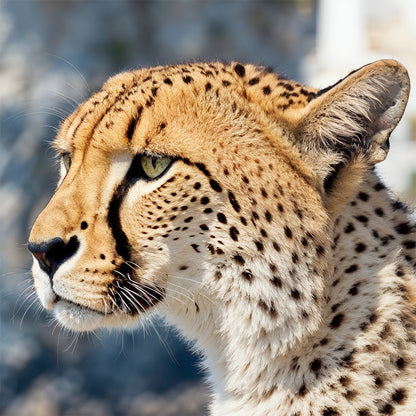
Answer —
(269, 240)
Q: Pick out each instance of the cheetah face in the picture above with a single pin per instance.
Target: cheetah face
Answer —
(173, 176)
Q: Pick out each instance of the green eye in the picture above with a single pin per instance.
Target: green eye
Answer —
(154, 166)
(66, 160)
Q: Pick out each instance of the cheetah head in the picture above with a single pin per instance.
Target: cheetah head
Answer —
(183, 188)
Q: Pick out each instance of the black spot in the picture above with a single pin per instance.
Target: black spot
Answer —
(288, 232)
(84, 225)
(187, 79)
(189, 219)
(132, 124)
(280, 207)
(215, 185)
(316, 365)
(208, 210)
(268, 216)
(387, 409)
(302, 390)
(195, 247)
(354, 290)
(295, 258)
(245, 179)
(203, 169)
(379, 186)
(248, 275)
(263, 192)
(204, 200)
(267, 90)
(234, 202)
(409, 244)
(276, 281)
(239, 260)
(404, 228)
(211, 248)
(234, 233)
(399, 396)
(197, 185)
(243, 220)
(276, 246)
(208, 86)
(295, 294)
(167, 81)
(330, 411)
(344, 381)
(154, 91)
(259, 245)
(102, 256)
(240, 70)
(361, 218)
(379, 212)
(400, 362)
(222, 218)
(363, 196)
(364, 412)
(360, 247)
(378, 381)
(337, 321)
(204, 227)
(320, 250)
(254, 81)
(353, 268)
(349, 228)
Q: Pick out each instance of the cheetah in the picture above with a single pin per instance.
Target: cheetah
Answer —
(245, 209)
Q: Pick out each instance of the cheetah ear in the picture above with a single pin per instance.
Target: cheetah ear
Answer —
(351, 121)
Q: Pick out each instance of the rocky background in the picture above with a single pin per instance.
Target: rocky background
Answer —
(53, 54)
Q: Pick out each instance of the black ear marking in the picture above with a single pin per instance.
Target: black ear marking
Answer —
(329, 180)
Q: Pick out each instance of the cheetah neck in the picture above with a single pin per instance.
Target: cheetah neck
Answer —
(251, 372)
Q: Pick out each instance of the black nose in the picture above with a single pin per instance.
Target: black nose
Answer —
(51, 254)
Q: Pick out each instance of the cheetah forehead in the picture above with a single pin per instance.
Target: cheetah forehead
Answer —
(126, 98)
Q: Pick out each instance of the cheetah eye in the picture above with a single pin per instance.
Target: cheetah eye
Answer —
(154, 166)
(66, 161)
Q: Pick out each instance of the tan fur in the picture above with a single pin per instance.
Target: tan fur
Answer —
(269, 241)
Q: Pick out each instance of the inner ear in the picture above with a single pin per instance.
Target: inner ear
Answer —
(347, 126)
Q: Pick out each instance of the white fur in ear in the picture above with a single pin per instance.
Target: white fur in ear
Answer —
(356, 115)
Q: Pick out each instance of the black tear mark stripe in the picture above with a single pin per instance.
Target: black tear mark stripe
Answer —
(128, 293)
(123, 246)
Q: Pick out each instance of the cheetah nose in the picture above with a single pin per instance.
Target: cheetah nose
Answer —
(51, 254)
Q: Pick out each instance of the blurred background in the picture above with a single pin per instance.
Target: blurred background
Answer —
(53, 54)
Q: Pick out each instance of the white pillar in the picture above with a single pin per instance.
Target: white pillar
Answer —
(341, 32)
